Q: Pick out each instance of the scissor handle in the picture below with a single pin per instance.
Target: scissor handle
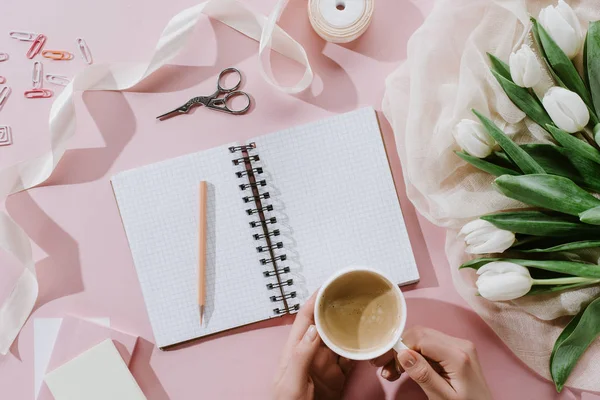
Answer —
(222, 104)
(223, 74)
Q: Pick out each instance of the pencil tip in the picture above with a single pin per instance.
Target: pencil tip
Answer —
(201, 312)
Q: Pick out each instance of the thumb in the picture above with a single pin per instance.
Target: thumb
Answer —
(419, 370)
(303, 355)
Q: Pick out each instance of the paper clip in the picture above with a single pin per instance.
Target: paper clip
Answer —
(5, 135)
(38, 93)
(36, 46)
(4, 93)
(36, 76)
(23, 36)
(3, 57)
(57, 54)
(86, 54)
(57, 79)
(2, 80)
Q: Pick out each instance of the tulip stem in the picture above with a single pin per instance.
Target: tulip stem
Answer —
(563, 281)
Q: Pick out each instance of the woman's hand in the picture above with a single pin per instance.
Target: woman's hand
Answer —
(446, 368)
(309, 370)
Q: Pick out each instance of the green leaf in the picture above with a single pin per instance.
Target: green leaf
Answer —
(573, 342)
(591, 216)
(516, 154)
(592, 62)
(545, 289)
(523, 99)
(573, 144)
(486, 166)
(500, 67)
(583, 244)
(586, 79)
(547, 191)
(539, 224)
(563, 162)
(562, 65)
(564, 267)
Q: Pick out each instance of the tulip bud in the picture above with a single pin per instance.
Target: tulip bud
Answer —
(483, 237)
(501, 281)
(472, 137)
(567, 110)
(525, 69)
(562, 25)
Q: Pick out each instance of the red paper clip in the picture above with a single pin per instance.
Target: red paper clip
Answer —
(38, 93)
(86, 54)
(3, 56)
(5, 135)
(57, 54)
(4, 95)
(36, 46)
(2, 80)
(24, 36)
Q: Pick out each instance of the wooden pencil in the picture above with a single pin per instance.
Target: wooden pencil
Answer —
(202, 248)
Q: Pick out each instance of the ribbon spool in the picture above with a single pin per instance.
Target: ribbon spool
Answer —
(340, 21)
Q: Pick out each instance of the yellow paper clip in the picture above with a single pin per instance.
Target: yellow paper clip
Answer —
(57, 54)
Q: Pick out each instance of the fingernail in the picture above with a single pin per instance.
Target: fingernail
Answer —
(385, 374)
(406, 359)
(311, 334)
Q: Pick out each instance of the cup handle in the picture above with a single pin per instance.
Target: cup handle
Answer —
(400, 346)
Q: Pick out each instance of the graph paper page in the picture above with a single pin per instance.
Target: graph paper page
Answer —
(159, 208)
(335, 200)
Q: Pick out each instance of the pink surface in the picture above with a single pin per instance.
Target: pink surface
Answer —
(83, 260)
(77, 336)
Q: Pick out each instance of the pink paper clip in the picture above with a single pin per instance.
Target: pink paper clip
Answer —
(36, 76)
(38, 93)
(2, 80)
(3, 57)
(57, 79)
(86, 54)
(4, 93)
(5, 135)
(36, 46)
(23, 36)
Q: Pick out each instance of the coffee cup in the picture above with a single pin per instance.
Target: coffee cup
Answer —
(360, 314)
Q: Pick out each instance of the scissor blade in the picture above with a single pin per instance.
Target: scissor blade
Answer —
(173, 113)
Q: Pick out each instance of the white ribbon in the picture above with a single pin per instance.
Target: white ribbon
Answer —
(25, 175)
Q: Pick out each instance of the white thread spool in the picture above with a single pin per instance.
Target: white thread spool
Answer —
(340, 21)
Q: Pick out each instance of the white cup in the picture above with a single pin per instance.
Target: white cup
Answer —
(394, 343)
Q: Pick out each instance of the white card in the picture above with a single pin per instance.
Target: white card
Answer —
(97, 374)
(45, 332)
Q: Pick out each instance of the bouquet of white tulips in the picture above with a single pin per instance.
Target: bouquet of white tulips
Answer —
(560, 182)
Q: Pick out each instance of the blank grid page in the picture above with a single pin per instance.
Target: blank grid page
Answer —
(159, 208)
(334, 195)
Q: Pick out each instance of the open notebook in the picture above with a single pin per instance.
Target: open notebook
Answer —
(295, 207)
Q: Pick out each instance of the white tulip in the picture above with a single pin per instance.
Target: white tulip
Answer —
(501, 281)
(525, 69)
(566, 109)
(562, 25)
(472, 137)
(483, 237)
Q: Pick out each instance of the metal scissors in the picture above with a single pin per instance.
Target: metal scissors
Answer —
(214, 102)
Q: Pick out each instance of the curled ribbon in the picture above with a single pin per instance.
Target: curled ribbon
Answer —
(22, 176)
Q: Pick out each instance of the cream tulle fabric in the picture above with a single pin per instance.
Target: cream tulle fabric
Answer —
(445, 75)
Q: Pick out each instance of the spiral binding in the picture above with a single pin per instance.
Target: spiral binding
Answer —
(256, 194)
